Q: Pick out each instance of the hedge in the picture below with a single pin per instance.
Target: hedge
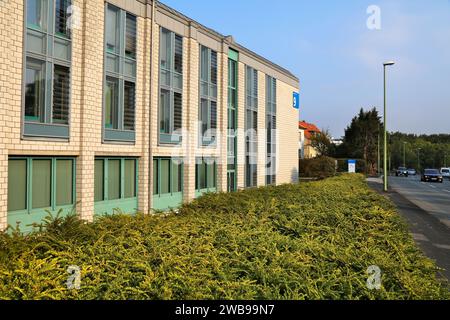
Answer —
(320, 167)
(307, 241)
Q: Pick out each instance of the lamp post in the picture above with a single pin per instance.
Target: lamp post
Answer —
(404, 154)
(418, 159)
(389, 63)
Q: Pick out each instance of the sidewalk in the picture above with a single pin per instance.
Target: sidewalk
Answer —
(428, 232)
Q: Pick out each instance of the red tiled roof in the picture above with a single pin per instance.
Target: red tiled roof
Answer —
(309, 128)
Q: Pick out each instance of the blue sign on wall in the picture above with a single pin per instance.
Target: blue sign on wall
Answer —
(296, 100)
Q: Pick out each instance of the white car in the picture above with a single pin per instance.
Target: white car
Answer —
(445, 172)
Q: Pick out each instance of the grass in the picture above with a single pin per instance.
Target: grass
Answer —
(307, 241)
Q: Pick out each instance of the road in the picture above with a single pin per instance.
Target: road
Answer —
(426, 208)
(431, 197)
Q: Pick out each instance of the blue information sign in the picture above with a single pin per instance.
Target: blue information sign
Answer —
(296, 100)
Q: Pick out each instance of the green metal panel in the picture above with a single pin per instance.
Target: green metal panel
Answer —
(167, 201)
(233, 55)
(127, 206)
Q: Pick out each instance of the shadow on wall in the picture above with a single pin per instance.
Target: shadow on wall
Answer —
(294, 175)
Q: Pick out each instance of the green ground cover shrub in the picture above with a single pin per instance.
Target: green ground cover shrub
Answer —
(306, 241)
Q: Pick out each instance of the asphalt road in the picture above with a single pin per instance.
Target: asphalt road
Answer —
(426, 208)
(431, 197)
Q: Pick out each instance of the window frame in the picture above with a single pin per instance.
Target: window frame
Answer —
(251, 138)
(164, 201)
(210, 97)
(122, 160)
(29, 185)
(170, 138)
(271, 112)
(46, 127)
(203, 161)
(120, 61)
(233, 57)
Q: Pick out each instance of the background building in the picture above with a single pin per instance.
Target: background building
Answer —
(307, 130)
(128, 105)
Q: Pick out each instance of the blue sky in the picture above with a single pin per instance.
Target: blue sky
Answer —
(339, 60)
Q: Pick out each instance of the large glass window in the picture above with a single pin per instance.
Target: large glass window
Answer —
(271, 121)
(120, 75)
(208, 97)
(232, 121)
(167, 176)
(251, 127)
(48, 69)
(170, 115)
(40, 183)
(115, 179)
(206, 175)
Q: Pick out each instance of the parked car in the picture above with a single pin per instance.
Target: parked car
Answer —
(432, 175)
(445, 172)
(401, 171)
(412, 172)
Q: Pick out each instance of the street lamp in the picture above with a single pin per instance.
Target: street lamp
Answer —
(389, 63)
(404, 154)
(418, 159)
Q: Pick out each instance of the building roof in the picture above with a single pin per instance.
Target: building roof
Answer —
(309, 128)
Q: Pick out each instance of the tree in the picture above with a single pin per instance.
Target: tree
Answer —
(321, 142)
(362, 138)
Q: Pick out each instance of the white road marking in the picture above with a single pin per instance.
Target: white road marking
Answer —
(432, 186)
(447, 190)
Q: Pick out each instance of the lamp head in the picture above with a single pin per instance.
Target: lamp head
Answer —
(389, 63)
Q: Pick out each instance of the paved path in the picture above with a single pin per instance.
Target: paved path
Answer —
(427, 210)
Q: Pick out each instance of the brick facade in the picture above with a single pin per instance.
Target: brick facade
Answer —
(86, 101)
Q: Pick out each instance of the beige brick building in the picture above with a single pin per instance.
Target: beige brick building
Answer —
(128, 105)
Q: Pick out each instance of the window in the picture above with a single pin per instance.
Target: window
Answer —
(115, 179)
(47, 72)
(170, 115)
(271, 126)
(232, 121)
(251, 128)
(208, 97)
(40, 184)
(206, 175)
(120, 75)
(167, 183)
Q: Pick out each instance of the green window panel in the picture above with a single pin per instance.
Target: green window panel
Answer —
(37, 186)
(64, 182)
(116, 185)
(41, 183)
(120, 75)
(17, 185)
(167, 183)
(113, 179)
(170, 111)
(47, 72)
(206, 176)
(99, 180)
(130, 179)
(165, 176)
